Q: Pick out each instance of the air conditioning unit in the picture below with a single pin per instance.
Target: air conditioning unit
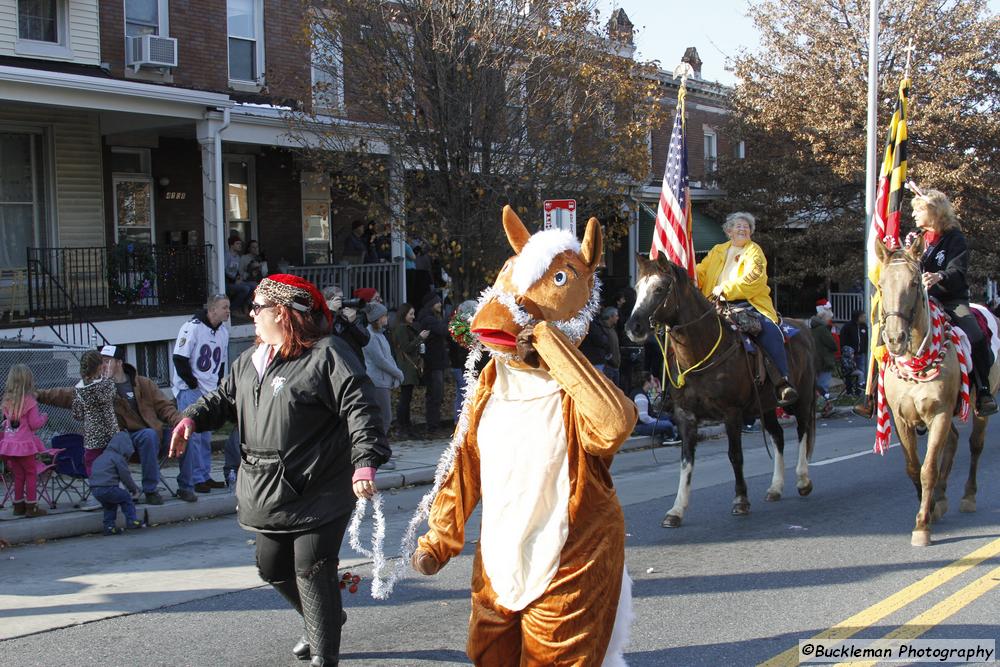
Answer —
(150, 50)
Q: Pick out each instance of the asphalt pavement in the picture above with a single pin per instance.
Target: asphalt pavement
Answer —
(719, 590)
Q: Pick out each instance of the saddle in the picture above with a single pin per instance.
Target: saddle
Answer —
(742, 318)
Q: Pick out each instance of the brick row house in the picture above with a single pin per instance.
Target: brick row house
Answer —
(163, 124)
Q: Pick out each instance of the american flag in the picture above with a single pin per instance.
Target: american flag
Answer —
(672, 232)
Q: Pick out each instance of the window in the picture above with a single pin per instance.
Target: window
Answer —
(741, 150)
(38, 20)
(153, 360)
(316, 234)
(145, 17)
(327, 73)
(133, 190)
(238, 177)
(22, 195)
(41, 29)
(246, 45)
(711, 153)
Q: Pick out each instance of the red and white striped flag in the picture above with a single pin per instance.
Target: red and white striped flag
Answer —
(672, 231)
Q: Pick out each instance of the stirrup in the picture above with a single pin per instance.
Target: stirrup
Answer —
(986, 405)
(866, 408)
(787, 395)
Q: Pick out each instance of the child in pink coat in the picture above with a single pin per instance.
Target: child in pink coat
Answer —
(19, 444)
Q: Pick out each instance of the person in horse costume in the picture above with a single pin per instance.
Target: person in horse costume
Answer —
(549, 585)
(737, 272)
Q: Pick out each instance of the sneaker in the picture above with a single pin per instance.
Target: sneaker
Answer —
(134, 525)
(187, 495)
(154, 498)
(203, 487)
(214, 484)
(112, 530)
(671, 441)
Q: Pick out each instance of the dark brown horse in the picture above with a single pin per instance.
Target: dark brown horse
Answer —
(721, 386)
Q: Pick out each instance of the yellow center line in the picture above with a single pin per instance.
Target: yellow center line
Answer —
(944, 609)
(863, 619)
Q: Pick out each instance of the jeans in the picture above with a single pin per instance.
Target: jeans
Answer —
(823, 382)
(232, 453)
(435, 392)
(110, 498)
(662, 426)
(146, 443)
(240, 293)
(773, 342)
(612, 373)
(196, 462)
(384, 401)
(459, 375)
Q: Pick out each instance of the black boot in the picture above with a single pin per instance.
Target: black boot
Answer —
(322, 611)
(982, 361)
(787, 396)
(290, 591)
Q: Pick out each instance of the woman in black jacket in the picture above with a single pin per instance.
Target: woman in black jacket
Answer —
(311, 441)
(944, 264)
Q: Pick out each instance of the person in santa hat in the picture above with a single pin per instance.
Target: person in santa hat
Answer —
(826, 346)
(311, 442)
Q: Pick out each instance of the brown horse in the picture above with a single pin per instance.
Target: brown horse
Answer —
(722, 386)
(904, 323)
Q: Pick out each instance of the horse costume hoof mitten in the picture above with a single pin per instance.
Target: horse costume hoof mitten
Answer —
(549, 585)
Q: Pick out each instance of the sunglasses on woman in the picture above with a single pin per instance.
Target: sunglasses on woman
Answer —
(255, 308)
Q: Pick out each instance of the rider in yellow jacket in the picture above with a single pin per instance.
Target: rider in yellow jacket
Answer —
(737, 271)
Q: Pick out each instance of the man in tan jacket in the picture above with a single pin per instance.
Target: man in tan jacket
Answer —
(142, 411)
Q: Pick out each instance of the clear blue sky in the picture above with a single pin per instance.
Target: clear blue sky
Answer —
(717, 28)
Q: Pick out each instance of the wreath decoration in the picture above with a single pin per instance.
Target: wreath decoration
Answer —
(460, 329)
(131, 272)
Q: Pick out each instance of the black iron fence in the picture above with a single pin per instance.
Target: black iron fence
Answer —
(126, 279)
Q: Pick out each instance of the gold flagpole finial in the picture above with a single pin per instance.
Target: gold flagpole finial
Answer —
(683, 71)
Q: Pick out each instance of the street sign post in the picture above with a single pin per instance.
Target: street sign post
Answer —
(560, 214)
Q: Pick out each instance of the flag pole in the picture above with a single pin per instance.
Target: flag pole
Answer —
(870, 175)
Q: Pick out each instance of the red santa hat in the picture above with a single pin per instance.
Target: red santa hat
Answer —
(823, 305)
(295, 292)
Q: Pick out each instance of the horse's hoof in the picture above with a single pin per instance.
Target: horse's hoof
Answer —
(741, 509)
(807, 489)
(671, 521)
(920, 538)
(940, 508)
(772, 496)
(968, 505)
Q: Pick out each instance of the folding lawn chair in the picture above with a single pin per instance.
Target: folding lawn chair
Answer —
(69, 475)
(44, 472)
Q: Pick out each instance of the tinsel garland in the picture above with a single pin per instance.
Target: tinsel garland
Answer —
(384, 577)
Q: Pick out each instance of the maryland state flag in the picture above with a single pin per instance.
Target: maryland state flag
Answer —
(885, 218)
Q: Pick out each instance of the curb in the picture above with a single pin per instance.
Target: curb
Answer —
(73, 524)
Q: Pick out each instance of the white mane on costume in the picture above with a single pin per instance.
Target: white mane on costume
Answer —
(537, 254)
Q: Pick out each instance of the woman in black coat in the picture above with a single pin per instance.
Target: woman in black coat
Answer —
(945, 263)
(311, 442)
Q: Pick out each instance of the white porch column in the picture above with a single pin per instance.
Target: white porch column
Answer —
(397, 196)
(209, 133)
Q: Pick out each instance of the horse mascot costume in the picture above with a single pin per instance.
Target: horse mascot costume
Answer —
(541, 426)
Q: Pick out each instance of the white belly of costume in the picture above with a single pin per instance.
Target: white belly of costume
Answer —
(524, 473)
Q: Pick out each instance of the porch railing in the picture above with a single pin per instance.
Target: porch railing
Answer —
(383, 277)
(126, 279)
(846, 303)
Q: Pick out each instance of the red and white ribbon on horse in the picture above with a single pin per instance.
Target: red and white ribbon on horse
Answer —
(923, 367)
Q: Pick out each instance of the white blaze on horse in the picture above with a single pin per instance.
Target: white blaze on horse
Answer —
(712, 378)
(922, 384)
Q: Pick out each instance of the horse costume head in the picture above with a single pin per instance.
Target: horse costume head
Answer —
(549, 278)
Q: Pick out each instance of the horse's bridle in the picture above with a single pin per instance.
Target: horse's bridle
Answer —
(907, 318)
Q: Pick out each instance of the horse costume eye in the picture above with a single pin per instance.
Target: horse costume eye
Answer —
(560, 278)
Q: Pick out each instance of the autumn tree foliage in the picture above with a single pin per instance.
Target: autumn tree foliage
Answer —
(480, 103)
(801, 108)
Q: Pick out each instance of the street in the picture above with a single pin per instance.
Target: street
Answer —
(719, 590)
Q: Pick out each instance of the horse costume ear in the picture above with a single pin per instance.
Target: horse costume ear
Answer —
(916, 247)
(593, 244)
(517, 233)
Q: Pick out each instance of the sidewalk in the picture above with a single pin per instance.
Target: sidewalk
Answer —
(416, 462)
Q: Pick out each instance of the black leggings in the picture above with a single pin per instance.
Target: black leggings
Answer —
(302, 567)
